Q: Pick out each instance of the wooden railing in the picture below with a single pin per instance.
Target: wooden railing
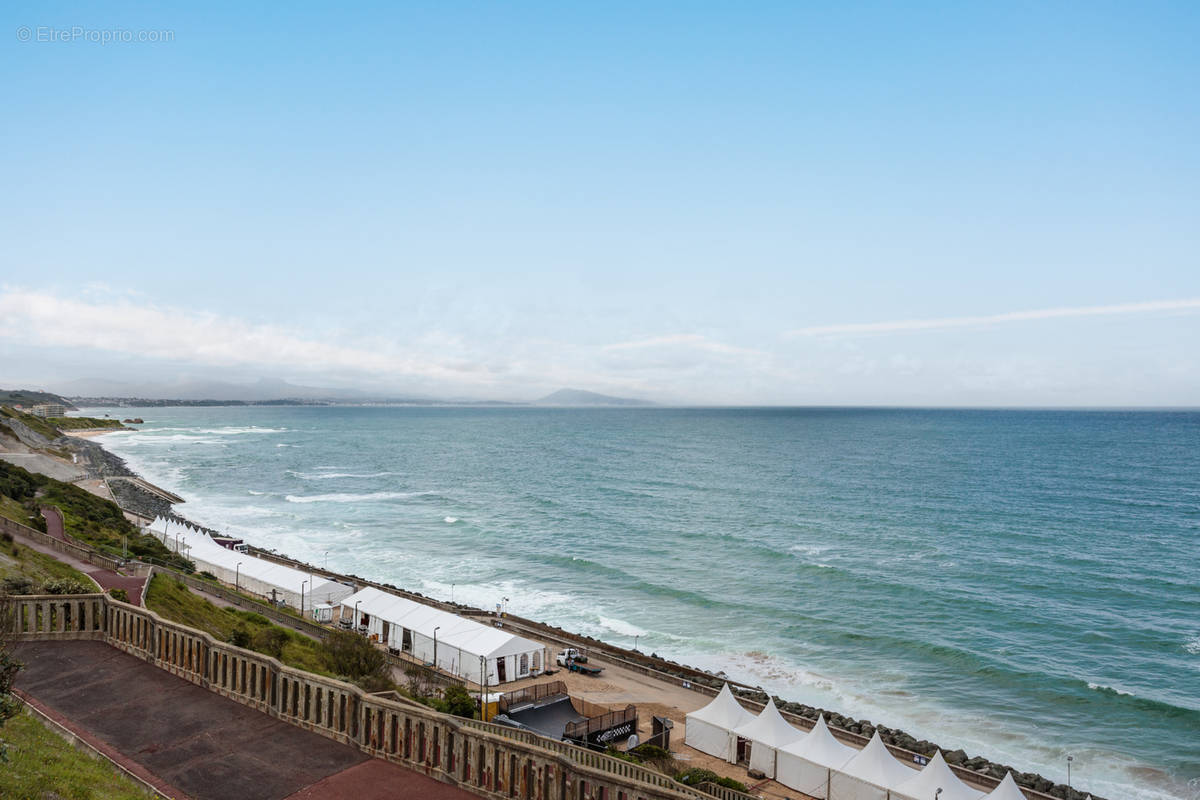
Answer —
(486, 759)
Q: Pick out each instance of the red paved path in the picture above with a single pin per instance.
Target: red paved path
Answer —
(201, 745)
(105, 577)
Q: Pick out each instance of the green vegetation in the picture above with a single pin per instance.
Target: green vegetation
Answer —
(84, 423)
(119, 594)
(90, 519)
(41, 765)
(24, 570)
(172, 599)
(695, 776)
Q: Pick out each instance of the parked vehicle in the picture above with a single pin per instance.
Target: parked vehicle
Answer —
(571, 654)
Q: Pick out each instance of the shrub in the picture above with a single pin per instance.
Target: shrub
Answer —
(65, 586)
(457, 700)
(17, 584)
(696, 775)
(270, 640)
(119, 594)
(347, 653)
(206, 575)
(239, 637)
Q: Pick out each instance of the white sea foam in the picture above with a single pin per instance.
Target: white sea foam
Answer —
(229, 430)
(346, 497)
(1100, 687)
(450, 520)
(620, 626)
(1193, 645)
(324, 476)
(256, 494)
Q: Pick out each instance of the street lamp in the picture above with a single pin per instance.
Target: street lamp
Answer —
(435, 630)
(937, 794)
(237, 575)
(327, 559)
(1069, 760)
(302, 585)
(452, 593)
(506, 606)
(482, 688)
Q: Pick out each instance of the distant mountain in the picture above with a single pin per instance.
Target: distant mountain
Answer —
(581, 397)
(263, 389)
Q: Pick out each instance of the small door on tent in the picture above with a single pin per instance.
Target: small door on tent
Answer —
(500, 677)
(406, 641)
(743, 750)
(387, 629)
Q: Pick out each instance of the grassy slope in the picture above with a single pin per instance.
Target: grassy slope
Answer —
(38, 424)
(16, 559)
(172, 599)
(84, 423)
(40, 765)
(89, 518)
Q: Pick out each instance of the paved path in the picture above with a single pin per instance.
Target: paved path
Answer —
(196, 744)
(105, 577)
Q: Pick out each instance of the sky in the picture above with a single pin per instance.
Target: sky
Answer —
(713, 203)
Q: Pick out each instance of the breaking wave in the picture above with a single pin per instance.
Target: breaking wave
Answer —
(340, 497)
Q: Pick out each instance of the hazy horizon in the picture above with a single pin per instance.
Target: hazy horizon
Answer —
(923, 206)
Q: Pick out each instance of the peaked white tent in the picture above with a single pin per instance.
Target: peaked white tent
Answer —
(250, 574)
(463, 647)
(1007, 790)
(936, 775)
(869, 775)
(806, 764)
(710, 729)
(768, 733)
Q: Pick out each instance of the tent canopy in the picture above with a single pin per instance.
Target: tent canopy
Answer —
(452, 630)
(937, 775)
(769, 728)
(875, 765)
(724, 711)
(819, 747)
(1007, 790)
(199, 546)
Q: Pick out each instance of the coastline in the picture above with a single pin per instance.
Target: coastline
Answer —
(854, 728)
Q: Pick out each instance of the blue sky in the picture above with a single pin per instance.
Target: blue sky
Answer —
(690, 202)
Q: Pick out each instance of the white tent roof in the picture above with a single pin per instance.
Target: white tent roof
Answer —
(937, 775)
(453, 630)
(1007, 790)
(769, 728)
(874, 764)
(819, 747)
(203, 548)
(724, 711)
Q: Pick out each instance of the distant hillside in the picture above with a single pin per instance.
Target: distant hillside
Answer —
(28, 397)
(581, 397)
(204, 390)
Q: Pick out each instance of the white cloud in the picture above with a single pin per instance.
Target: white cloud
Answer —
(687, 340)
(993, 319)
(164, 333)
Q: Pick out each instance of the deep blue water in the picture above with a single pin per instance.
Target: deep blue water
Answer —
(1022, 583)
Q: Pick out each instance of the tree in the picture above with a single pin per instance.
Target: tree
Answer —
(347, 653)
(457, 700)
(10, 704)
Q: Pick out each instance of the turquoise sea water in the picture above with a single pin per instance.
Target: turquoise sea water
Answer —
(1023, 584)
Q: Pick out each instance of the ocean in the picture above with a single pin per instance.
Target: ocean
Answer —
(1022, 584)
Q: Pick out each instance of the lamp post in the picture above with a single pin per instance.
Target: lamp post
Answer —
(356, 602)
(302, 585)
(482, 688)
(505, 613)
(937, 794)
(452, 593)
(635, 641)
(1069, 760)
(237, 576)
(435, 630)
(326, 559)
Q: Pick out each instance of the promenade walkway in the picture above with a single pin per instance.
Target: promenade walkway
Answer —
(105, 577)
(192, 743)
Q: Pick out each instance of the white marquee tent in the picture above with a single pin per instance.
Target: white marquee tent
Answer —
(411, 627)
(767, 733)
(253, 575)
(710, 729)
(869, 775)
(1007, 790)
(936, 775)
(806, 764)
